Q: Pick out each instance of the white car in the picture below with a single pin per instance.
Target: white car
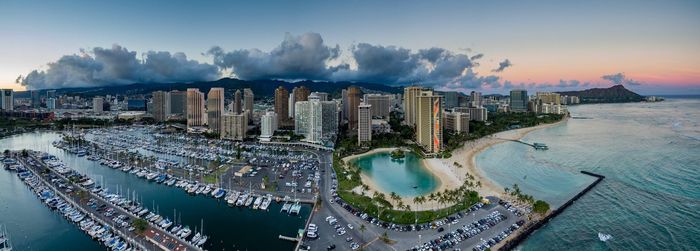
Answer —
(350, 226)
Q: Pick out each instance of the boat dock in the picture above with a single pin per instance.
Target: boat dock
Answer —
(529, 229)
(287, 238)
(145, 242)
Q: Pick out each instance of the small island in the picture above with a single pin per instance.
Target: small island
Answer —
(397, 154)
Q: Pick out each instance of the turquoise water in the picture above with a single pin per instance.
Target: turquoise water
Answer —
(407, 177)
(650, 154)
(34, 227)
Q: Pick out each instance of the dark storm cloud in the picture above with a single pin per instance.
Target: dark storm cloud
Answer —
(620, 79)
(116, 66)
(297, 57)
(503, 65)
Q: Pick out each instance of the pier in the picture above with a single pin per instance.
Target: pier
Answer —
(538, 146)
(528, 230)
(144, 242)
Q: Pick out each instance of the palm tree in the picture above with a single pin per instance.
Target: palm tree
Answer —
(395, 197)
(431, 197)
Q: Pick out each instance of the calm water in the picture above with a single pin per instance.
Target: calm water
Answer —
(35, 227)
(407, 177)
(650, 154)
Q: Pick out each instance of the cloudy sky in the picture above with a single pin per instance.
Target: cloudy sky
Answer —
(650, 46)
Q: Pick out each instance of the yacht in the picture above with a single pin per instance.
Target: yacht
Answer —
(266, 202)
(5, 244)
(257, 202)
(249, 201)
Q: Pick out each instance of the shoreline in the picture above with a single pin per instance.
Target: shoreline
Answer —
(451, 176)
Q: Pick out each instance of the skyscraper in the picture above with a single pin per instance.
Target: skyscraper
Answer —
(291, 105)
(215, 108)
(237, 102)
(409, 103)
(353, 93)
(429, 121)
(549, 98)
(97, 103)
(364, 123)
(282, 105)
(301, 93)
(475, 99)
(323, 96)
(7, 98)
(178, 102)
(381, 104)
(51, 104)
(518, 100)
(234, 126)
(268, 125)
(36, 99)
(248, 98)
(161, 105)
(316, 120)
(195, 107)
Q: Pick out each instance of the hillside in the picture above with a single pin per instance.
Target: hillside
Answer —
(614, 94)
(259, 87)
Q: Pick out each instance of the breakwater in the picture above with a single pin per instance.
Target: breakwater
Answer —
(529, 229)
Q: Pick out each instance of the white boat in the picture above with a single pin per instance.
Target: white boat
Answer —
(266, 202)
(257, 202)
(202, 240)
(604, 237)
(249, 201)
(5, 244)
(285, 207)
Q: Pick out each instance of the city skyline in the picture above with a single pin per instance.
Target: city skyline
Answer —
(491, 47)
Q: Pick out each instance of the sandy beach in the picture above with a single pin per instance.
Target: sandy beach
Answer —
(451, 176)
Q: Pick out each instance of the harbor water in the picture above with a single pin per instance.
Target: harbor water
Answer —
(32, 226)
(650, 155)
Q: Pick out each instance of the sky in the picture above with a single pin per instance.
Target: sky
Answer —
(652, 47)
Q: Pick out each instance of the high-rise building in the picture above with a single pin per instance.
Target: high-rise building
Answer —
(364, 123)
(475, 113)
(323, 96)
(451, 99)
(282, 105)
(178, 102)
(268, 125)
(549, 97)
(195, 107)
(291, 105)
(161, 105)
(51, 94)
(475, 99)
(409, 103)
(215, 108)
(97, 103)
(316, 120)
(36, 99)
(429, 121)
(457, 122)
(51, 104)
(353, 98)
(248, 98)
(381, 104)
(518, 100)
(234, 126)
(344, 103)
(7, 98)
(301, 93)
(237, 102)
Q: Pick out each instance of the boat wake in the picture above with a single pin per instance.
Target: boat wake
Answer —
(604, 237)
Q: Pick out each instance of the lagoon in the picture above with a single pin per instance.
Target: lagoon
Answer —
(407, 177)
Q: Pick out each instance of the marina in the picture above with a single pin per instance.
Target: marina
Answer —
(217, 215)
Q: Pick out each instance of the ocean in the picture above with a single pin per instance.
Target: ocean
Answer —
(650, 155)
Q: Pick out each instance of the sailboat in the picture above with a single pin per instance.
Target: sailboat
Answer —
(5, 244)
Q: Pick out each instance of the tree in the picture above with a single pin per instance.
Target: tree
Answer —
(140, 225)
(362, 228)
(541, 207)
(395, 197)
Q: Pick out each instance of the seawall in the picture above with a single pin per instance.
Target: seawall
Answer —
(529, 229)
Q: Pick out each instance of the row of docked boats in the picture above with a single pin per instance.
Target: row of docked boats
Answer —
(101, 233)
(5, 244)
(246, 199)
